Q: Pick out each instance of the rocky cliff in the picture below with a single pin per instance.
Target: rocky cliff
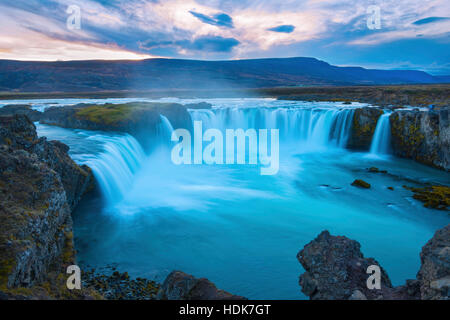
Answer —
(434, 273)
(363, 127)
(39, 185)
(336, 269)
(181, 286)
(25, 109)
(423, 136)
(140, 119)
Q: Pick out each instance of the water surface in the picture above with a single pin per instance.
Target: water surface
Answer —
(235, 227)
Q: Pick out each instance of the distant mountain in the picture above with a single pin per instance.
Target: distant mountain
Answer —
(97, 75)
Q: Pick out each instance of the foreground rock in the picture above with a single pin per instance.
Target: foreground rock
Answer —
(119, 286)
(39, 185)
(19, 133)
(181, 286)
(423, 136)
(363, 127)
(434, 274)
(337, 270)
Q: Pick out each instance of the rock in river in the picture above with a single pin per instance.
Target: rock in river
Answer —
(181, 286)
(335, 269)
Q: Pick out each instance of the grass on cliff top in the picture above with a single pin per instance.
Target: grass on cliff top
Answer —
(111, 114)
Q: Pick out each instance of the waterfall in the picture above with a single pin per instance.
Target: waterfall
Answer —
(315, 127)
(164, 130)
(381, 141)
(115, 168)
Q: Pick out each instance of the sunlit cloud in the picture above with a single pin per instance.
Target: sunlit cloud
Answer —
(211, 29)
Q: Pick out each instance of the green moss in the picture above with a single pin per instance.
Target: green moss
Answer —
(6, 267)
(435, 197)
(407, 138)
(107, 114)
(68, 252)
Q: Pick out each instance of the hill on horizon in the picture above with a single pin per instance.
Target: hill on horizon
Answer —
(160, 73)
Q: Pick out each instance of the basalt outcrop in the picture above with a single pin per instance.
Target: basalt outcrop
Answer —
(423, 136)
(25, 109)
(363, 127)
(39, 186)
(19, 133)
(434, 274)
(336, 269)
(140, 119)
(181, 286)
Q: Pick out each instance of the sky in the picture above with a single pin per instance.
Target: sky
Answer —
(407, 34)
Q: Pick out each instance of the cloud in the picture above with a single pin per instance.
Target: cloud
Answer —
(212, 44)
(429, 20)
(211, 29)
(219, 19)
(285, 28)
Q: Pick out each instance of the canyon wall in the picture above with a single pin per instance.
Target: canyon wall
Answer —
(423, 136)
(39, 187)
(363, 127)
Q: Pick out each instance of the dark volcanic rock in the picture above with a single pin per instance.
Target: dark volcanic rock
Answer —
(181, 286)
(361, 184)
(18, 132)
(336, 270)
(423, 136)
(13, 109)
(36, 226)
(434, 274)
(35, 218)
(363, 127)
(119, 286)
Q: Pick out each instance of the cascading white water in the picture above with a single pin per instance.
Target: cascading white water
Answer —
(381, 141)
(168, 210)
(165, 129)
(314, 127)
(115, 168)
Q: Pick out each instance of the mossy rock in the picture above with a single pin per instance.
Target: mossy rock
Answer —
(363, 127)
(376, 170)
(361, 184)
(434, 197)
